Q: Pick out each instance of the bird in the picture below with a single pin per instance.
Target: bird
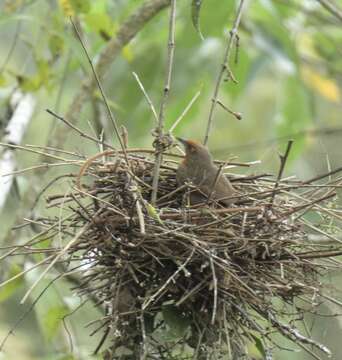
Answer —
(198, 168)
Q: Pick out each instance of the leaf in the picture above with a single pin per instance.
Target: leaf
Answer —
(195, 16)
(8, 290)
(152, 212)
(52, 320)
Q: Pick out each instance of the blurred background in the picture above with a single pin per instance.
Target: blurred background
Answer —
(288, 67)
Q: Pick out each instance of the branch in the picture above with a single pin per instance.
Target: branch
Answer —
(124, 35)
(332, 8)
(224, 68)
(98, 83)
(159, 143)
(283, 159)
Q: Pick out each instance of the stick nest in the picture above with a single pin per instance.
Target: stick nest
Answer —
(213, 278)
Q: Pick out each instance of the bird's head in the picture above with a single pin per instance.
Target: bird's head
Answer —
(194, 151)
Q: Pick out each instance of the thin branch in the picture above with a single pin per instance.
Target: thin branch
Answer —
(332, 8)
(160, 129)
(283, 159)
(322, 176)
(53, 262)
(237, 115)
(167, 282)
(324, 131)
(212, 266)
(188, 107)
(224, 67)
(127, 31)
(109, 111)
(296, 336)
(148, 99)
(80, 132)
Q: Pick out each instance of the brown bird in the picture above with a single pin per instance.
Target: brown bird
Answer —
(198, 167)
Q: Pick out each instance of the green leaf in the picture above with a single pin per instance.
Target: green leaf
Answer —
(8, 290)
(195, 15)
(52, 320)
(177, 321)
(152, 212)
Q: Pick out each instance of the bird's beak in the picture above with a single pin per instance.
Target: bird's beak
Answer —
(183, 141)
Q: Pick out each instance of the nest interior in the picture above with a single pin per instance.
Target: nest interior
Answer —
(215, 278)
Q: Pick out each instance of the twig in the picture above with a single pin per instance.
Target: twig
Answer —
(103, 339)
(327, 131)
(295, 335)
(23, 315)
(167, 282)
(160, 128)
(136, 197)
(322, 176)
(212, 266)
(109, 111)
(310, 204)
(332, 8)
(148, 99)
(217, 176)
(283, 159)
(28, 149)
(143, 335)
(24, 272)
(224, 67)
(127, 31)
(193, 214)
(80, 132)
(53, 262)
(184, 112)
(237, 115)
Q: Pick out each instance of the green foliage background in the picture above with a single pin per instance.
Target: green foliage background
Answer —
(289, 74)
